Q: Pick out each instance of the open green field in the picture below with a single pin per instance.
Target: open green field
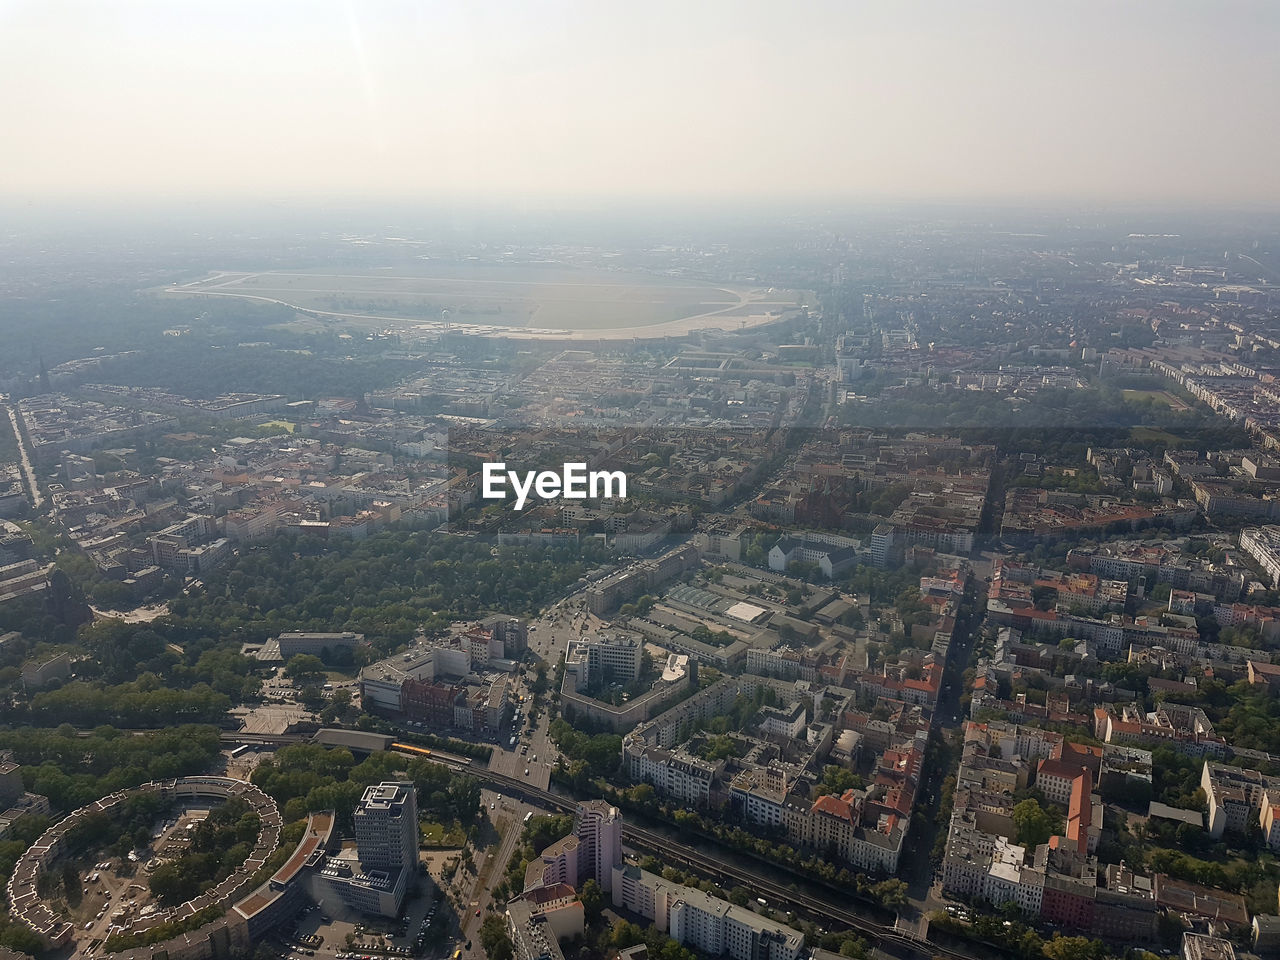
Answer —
(1162, 396)
(517, 297)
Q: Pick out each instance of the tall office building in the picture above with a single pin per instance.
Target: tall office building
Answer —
(387, 826)
(377, 878)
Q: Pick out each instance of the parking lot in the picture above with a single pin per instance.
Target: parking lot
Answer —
(348, 935)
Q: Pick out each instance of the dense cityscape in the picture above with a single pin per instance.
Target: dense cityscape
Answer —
(940, 615)
(664, 481)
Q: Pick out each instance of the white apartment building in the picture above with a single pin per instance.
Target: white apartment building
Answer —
(1055, 778)
(672, 773)
(599, 832)
(1235, 797)
(784, 721)
(761, 795)
(1263, 544)
(1009, 878)
(603, 659)
(702, 922)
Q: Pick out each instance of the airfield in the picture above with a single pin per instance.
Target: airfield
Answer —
(519, 302)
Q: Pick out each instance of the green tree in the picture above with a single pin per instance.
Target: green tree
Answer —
(305, 668)
(71, 883)
(836, 779)
(494, 939)
(891, 892)
(592, 901)
(1074, 948)
(1035, 825)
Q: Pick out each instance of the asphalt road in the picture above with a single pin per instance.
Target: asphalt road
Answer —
(37, 499)
(924, 895)
(507, 816)
(549, 635)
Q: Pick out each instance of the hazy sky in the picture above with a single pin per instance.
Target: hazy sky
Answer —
(1020, 100)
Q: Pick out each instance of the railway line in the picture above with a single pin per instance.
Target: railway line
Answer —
(409, 749)
(430, 753)
(265, 739)
(887, 937)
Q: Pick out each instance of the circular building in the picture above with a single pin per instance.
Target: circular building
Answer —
(229, 928)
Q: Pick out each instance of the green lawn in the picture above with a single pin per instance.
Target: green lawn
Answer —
(1163, 396)
(434, 835)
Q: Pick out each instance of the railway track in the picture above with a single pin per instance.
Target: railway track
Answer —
(763, 884)
(885, 936)
(278, 740)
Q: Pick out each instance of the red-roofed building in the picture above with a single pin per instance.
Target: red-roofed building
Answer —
(1056, 779)
(1087, 755)
(832, 823)
(1080, 813)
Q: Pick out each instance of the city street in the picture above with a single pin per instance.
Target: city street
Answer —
(549, 635)
(507, 819)
(37, 498)
(925, 891)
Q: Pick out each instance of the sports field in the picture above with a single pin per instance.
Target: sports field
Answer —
(528, 301)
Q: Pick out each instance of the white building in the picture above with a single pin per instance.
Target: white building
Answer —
(604, 659)
(832, 554)
(1010, 878)
(702, 922)
(1055, 779)
(761, 795)
(599, 831)
(589, 853)
(882, 545)
(1263, 544)
(672, 773)
(386, 824)
(1235, 797)
(784, 722)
